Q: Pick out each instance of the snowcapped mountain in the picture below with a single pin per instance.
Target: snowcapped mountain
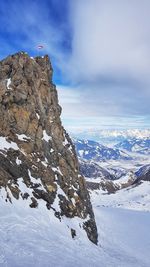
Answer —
(92, 150)
(129, 133)
(141, 146)
(112, 136)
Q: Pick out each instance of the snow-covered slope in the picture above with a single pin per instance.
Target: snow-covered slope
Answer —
(32, 237)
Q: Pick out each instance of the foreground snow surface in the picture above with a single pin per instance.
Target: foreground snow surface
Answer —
(34, 237)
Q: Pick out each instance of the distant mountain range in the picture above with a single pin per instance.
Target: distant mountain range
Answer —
(141, 146)
(112, 135)
(112, 177)
(92, 150)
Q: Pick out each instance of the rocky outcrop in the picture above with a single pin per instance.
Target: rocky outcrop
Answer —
(111, 186)
(36, 153)
(143, 174)
(108, 187)
(91, 169)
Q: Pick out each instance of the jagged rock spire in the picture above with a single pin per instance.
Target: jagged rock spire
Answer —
(35, 150)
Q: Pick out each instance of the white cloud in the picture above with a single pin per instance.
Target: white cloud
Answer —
(110, 60)
(111, 38)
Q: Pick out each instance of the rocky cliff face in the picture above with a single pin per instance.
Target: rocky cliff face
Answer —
(37, 158)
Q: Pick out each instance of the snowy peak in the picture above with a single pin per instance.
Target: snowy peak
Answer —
(37, 157)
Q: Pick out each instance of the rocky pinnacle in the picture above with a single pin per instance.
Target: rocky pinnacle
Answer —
(35, 150)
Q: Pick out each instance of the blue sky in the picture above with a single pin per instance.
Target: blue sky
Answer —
(100, 52)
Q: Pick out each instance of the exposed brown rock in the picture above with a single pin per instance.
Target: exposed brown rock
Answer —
(39, 153)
